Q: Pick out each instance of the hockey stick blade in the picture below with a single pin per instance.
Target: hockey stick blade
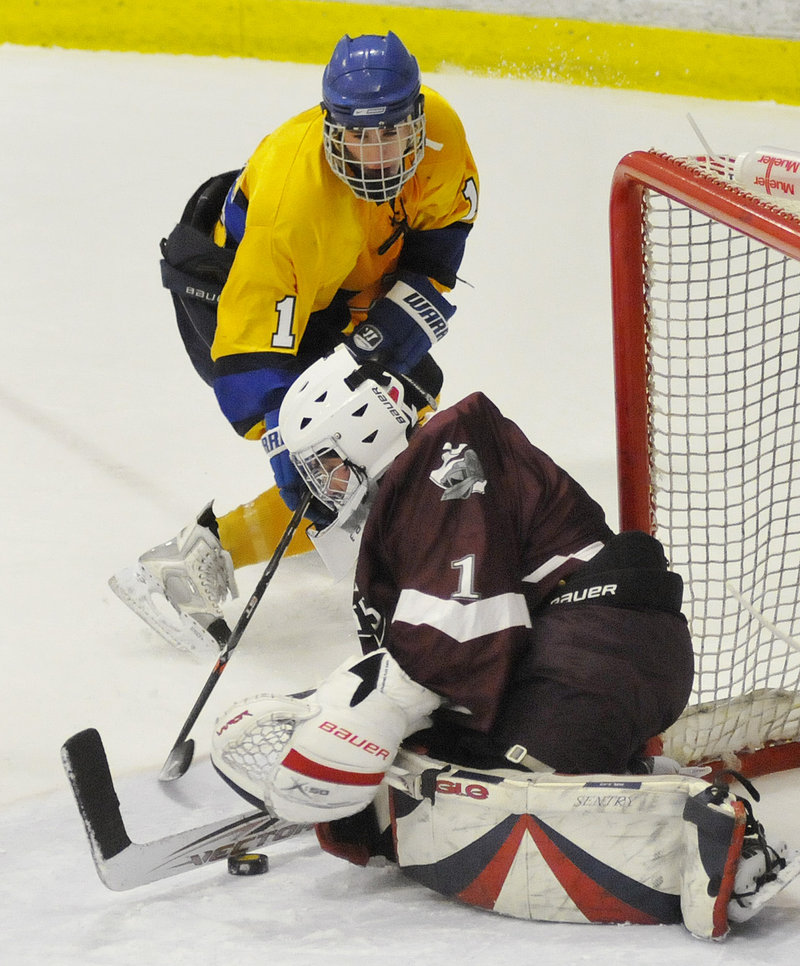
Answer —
(122, 864)
(178, 761)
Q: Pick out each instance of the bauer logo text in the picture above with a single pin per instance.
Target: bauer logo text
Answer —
(586, 593)
(363, 744)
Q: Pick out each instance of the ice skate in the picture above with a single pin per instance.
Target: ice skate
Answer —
(178, 587)
(763, 871)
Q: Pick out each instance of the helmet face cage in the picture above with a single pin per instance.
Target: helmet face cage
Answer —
(375, 162)
(343, 426)
(329, 475)
(374, 125)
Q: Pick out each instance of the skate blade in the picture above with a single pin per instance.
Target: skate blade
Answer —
(769, 890)
(139, 590)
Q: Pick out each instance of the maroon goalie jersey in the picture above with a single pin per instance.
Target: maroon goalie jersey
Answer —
(471, 530)
(494, 580)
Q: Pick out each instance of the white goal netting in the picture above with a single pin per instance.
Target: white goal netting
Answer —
(723, 381)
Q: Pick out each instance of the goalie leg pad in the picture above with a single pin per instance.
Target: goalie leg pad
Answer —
(586, 848)
(589, 848)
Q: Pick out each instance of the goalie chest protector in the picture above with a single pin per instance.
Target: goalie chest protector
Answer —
(588, 848)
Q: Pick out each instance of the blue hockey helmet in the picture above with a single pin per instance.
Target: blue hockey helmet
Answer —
(374, 128)
(371, 81)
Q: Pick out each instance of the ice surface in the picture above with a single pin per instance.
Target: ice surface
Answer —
(111, 444)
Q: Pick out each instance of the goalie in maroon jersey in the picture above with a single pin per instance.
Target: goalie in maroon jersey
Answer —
(507, 633)
(501, 620)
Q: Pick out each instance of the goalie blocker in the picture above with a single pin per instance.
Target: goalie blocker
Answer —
(656, 849)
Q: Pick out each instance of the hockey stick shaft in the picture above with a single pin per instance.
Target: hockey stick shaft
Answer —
(179, 758)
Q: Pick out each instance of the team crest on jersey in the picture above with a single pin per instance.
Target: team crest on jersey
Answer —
(460, 474)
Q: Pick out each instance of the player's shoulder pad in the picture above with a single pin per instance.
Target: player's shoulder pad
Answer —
(287, 172)
(442, 123)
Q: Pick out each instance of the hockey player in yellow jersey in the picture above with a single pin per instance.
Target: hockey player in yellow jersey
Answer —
(315, 256)
(347, 224)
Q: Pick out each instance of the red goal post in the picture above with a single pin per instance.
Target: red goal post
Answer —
(706, 307)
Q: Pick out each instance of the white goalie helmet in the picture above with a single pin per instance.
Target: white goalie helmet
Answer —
(343, 424)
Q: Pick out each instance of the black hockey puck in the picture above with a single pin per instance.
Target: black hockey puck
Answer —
(248, 863)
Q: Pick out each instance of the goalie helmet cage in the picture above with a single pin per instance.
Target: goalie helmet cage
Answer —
(706, 304)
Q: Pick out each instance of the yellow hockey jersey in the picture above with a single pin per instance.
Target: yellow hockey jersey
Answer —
(308, 239)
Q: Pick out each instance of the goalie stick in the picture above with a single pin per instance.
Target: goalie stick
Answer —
(122, 864)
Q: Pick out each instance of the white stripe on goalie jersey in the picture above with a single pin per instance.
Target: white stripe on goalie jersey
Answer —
(463, 621)
(554, 563)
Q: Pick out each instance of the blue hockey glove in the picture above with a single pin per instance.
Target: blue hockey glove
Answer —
(403, 326)
(289, 482)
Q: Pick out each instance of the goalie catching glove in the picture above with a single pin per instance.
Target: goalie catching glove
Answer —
(322, 758)
(402, 326)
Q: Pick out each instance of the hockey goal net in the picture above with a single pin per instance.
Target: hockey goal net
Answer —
(706, 298)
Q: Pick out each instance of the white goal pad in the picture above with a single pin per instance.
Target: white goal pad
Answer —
(588, 848)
